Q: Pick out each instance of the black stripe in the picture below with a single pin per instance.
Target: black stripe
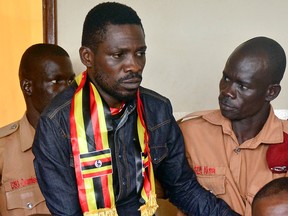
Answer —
(95, 153)
(87, 118)
(93, 166)
(90, 140)
(99, 194)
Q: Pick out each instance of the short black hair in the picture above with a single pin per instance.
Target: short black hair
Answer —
(102, 15)
(272, 50)
(35, 53)
(272, 188)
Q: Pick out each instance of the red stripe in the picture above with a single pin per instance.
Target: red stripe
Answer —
(76, 153)
(105, 190)
(97, 174)
(94, 116)
(140, 111)
(146, 184)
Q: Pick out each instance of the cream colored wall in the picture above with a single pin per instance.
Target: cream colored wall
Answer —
(188, 42)
(21, 26)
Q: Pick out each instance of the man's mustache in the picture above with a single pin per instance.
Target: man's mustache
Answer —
(131, 76)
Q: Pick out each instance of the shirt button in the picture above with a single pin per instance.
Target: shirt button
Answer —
(237, 150)
(124, 183)
(29, 205)
(14, 126)
(120, 156)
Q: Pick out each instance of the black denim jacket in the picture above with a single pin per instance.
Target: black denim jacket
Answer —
(54, 161)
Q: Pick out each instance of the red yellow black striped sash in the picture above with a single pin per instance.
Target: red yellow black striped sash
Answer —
(90, 122)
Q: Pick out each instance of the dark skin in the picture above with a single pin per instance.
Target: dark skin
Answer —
(47, 77)
(246, 92)
(117, 65)
(271, 205)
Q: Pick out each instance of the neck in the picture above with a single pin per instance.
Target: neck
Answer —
(33, 117)
(248, 128)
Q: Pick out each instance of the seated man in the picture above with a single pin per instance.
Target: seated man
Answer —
(239, 148)
(272, 199)
(95, 137)
(45, 70)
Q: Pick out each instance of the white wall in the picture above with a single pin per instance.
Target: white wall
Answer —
(188, 42)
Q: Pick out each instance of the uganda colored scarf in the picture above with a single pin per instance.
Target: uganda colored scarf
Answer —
(89, 126)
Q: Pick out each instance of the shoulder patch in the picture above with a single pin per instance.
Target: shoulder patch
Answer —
(193, 115)
(9, 129)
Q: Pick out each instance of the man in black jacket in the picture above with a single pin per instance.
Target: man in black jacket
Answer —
(102, 143)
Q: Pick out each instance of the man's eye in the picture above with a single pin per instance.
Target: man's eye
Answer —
(243, 87)
(57, 81)
(54, 81)
(226, 79)
(141, 53)
(117, 55)
(70, 81)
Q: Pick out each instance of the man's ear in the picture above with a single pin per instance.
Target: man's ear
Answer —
(272, 92)
(86, 56)
(26, 86)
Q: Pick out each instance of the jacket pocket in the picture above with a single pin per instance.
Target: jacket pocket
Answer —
(24, 198)
(215, 184)
(158, 153)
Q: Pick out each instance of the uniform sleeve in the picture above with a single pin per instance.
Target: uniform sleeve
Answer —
(53, 168)
(179, 180)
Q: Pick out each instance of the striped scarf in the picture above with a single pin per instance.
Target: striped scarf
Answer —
(90, 121)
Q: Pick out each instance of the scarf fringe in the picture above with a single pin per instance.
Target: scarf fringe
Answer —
(102, 212)
(149, 208)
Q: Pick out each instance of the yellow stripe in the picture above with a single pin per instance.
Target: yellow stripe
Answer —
(82, 143)
(141, 131)
(97, 169)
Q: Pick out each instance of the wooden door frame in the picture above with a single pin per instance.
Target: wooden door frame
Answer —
(49, 10)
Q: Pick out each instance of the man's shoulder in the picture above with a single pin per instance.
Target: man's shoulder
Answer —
(195, 115)
(9, 129)
(149, 94)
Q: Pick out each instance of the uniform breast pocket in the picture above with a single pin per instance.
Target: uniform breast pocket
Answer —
(214, 183)
(28, 197)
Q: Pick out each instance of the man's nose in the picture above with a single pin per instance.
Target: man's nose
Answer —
(229, 90)
(133, 64)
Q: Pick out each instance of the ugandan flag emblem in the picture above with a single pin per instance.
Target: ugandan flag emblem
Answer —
(96, 163)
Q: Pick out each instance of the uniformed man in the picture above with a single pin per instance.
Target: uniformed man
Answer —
(237, 149)
(45, 70)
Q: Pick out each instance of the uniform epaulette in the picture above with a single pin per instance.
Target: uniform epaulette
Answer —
(9, 129)
(193, 115)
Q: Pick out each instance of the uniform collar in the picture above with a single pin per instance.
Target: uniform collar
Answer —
(271, 133)
(27, 133)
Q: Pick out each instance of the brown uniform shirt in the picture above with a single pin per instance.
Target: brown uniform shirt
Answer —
(231, 171)
(19, 191)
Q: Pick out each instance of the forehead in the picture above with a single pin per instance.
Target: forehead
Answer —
(55, 66)
(124, 35)
(247, 67)
(273, 205)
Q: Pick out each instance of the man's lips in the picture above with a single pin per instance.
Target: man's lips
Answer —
(225, 106)
(132, 83)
